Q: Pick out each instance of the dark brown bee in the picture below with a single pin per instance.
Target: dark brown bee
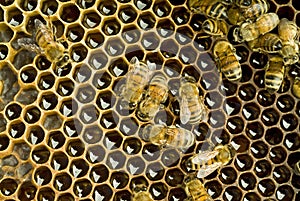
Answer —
(274, 73)
(227, 61)
(237, 15)
(211, 8)
(249, 31)
(215, 27)
(269, 43)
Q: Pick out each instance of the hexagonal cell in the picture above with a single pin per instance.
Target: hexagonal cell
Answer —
(72, 127)
(286, 12)
(107, 7)
(220, 136)
(258, 60)
(109, 120)
(28, 74)
(146, 21)
(99, 173)
(92, 134)
(78, 52)
(56, 140)
(59, 161)
(232, 193)
(259, 149)
(251, 111)
(254, 130)
(213, 100)
(28, 190)
(122, 195)
(128, 126)
(48, 101)
(14, 17)
(170, 158)
(95, 154)
(42, 175)
(23, 58)
(177, 194)
(8, 186)
(85, 94)
(292, 141)
(40, 154)
(90, 19)
(210, 81)
(82, 188)
(127, 14)
(232, 106)
(135, 165)
(161, 9)
(169, 48)
(94, 39)
(150, 41)
(270, 117)
(240, 143)
(114, 47)
(266, 187)
(119, 180)
(165, 28)
(105, 100)
(273, 136)
(288, 122)
(62, 181)
(115, 160)
(228, 175)
(173, 177)
(132, 146)
(180, 15)
(111, 27)
(98, 59)
(52, 121)
(89, 114)
(235, 125)
(69, 12)
(75, 147)
(196, 21)
(247, 181)
(65, 87)
(265, 99)
(281, 174)
(6, 3)
(32, 115)
(79, 168)
(278, 154)
(35, 135)
(247, 92)
(118, 67)
(112, 140)
(75, 33)
(103, 192)
(3, 52)
(172, 68)
(131, 34)
(13, 111)
(46, 193)
(46, 81)
(102, 80)
(16, 129)
(158, 190)
(216, 119)
(6, 33)
(49, 7)
(243, 162)
(150, 152)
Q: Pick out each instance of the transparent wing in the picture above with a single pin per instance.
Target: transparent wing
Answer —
(29, 43)
(185, 113)
(207, 170)
(204, 156)
(46, 31)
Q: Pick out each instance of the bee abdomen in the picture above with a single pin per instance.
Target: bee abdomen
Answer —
(214, 27)
(231, 68)
(269, 43)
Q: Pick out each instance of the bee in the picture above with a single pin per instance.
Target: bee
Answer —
(170, 136)
(192, 108)
(288, 32)
(196, 190)
(269, 43)
(274, 73)
(296, 87)
(156, 94)
(211, 8)
(206, 162)
(236, 15)
(136, 80)
(215, 27)
(44, 42)
(243, 3)
(227, 61)
(297, 168)
(249, 31)
(140, 193)
(227, 2)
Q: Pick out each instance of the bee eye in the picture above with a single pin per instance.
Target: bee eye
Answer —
(285, 59)
(295, 58)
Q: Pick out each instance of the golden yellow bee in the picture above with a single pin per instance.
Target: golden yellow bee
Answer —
(274, 73)
(297, 168)
(140, 193)
(206, 162)
(215, 27)
(211, 8)
(136, 80)
(227, 61)
(156, 94)
(192, 108)
(296, 87)
(196, 190)
(44, 42)
(269, 43)
(288, 32)
(249, 31)
(170, 136)
(236, 15)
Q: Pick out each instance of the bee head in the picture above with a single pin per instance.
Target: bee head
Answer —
(237, 35)
(291, 59)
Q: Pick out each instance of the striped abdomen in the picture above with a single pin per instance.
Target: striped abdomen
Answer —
(274, 74)
(231, 67)
(269, 43)
(215, 27)
(256, 9)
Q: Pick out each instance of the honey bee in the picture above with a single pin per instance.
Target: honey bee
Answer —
(156, 94)
(215, 27)
(236, 15)
(249, 31)
(44, 42)
(192, 108)
(140, 193)
(227, 61)
(196, 190)
(269, 43)
(297, 168)
(274, 73)
(206, 162)
(170, 136)
(227, 2)
(136, 80)
(296, 87)
(288, 32)
(211, 8)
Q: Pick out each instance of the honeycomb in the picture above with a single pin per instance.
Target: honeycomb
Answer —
(65, 137)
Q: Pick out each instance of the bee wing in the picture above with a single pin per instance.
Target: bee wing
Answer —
(204, 156)
(207, 170)
(46, 31)
(29, 43)
(185, 113)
